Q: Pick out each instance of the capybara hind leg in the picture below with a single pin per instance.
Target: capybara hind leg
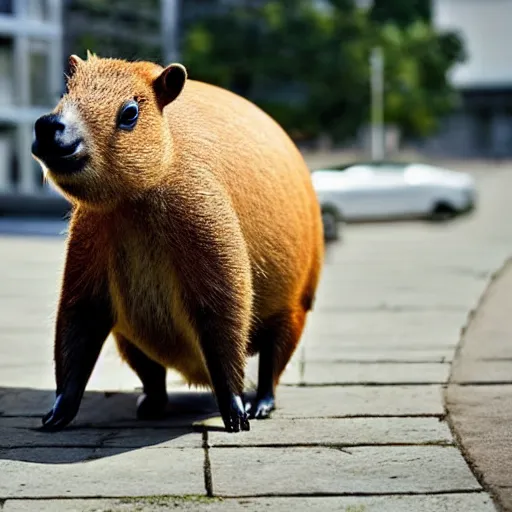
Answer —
(277, 340)
(151, 404)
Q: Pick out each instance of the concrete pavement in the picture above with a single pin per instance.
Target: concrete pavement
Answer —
(361, 420)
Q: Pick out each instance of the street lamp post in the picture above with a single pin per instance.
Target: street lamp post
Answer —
(169, 10)
(377, 105)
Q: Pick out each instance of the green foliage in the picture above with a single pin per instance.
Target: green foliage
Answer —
(417, 92)
(306, 63)
(400, 12)
(356, 508)
(308, 67)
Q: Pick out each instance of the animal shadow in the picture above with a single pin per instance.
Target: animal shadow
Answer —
(106, 425)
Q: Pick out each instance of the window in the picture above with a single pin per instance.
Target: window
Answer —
(6, 72)
(6, 6)
(7, 171)
(39, 69)
(376, 166)
(483, 135)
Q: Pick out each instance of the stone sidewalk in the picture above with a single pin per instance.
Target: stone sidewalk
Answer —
(361, 420)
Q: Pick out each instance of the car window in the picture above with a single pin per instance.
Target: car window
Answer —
(373, 166)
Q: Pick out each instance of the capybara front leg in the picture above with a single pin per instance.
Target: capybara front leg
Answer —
(84, 321)
(224, 354)
(82, 328)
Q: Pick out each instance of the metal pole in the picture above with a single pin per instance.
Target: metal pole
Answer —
(377, 91)
(170, 17)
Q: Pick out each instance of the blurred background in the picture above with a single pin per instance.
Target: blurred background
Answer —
(431, 77)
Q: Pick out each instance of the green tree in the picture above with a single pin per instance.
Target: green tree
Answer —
(418, 60)
(308, 67)
(416, 90)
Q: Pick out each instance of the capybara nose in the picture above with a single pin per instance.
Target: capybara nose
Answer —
(47, 127)
(51, 138)
(59, 145)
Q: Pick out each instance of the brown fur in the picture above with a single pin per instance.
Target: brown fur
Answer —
(200, 228)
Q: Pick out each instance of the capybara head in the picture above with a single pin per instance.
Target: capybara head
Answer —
(107, 139)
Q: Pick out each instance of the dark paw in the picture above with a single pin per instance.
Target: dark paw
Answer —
(236, 419)
(63, 412)
(151, 407)
(261, 408)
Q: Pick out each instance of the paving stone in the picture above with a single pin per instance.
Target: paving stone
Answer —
(334, 351)
(421, 295)
(375, 373)
(338, 401)
(292, 375)
(34, 367)
(346, 431)
(383, 326)
(107, 408)
(445, 503)
(21, 401)
(24, 432)
(253, 471)
(118, 409)
(154, 438)
(57, 472)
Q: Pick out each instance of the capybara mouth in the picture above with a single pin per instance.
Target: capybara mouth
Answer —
(73, 160)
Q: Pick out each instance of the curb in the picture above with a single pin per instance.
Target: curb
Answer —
(459, 442)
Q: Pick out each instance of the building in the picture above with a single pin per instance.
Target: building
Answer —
(482, 125)
(113, 28)
(31, 82)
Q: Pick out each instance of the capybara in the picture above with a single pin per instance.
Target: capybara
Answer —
(195, 236)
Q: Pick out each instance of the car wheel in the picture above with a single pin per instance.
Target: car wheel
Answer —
(331, 226)
(442, 212)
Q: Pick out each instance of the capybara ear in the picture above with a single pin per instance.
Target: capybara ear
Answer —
(169, 84)
(74, 62)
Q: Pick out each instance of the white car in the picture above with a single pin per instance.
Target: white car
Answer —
(386, 191)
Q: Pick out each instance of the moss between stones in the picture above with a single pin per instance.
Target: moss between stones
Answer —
(165, 501)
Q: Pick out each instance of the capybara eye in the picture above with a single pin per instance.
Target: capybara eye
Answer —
(128, 115)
